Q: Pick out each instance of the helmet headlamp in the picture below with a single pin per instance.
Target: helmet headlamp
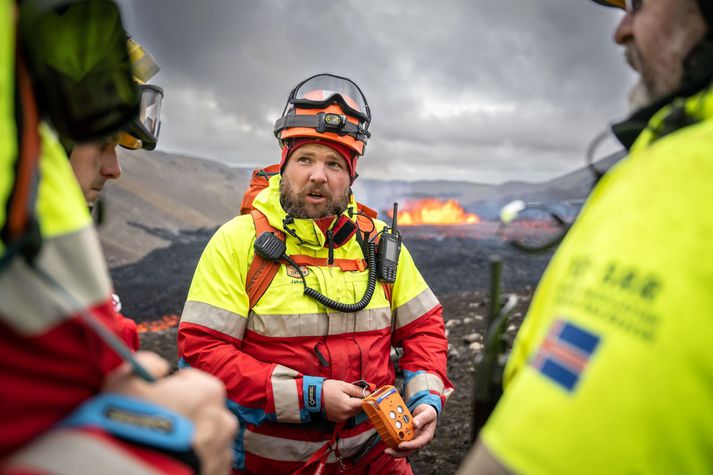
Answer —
(76, 52)
(333, 122)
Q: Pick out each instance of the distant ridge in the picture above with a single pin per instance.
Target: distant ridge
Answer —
(161, 193)
(165, 192)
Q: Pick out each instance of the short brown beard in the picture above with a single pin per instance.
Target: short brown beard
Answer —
(293, 202)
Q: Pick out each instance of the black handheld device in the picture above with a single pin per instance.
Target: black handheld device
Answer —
(269, 247)
(387, 255)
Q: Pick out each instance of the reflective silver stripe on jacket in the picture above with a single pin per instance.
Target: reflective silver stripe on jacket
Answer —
(289, 450)
(319, 324)
(215, 318)
(423, 382)
(415, 308)
(71, 452)
(75, 261)
(284, 392)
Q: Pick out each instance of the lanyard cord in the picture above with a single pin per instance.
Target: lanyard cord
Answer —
(333, 304)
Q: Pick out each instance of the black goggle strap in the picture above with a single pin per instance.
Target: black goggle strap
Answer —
(335, 98)
(318, 123)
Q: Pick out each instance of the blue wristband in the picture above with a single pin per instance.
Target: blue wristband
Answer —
(136, 421)
(312, 393)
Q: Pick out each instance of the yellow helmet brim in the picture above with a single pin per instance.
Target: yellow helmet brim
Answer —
(612, 3)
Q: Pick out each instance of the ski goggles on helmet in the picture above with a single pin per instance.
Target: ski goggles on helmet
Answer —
(326, 106)
(77, 56)
(324, 89)
(143, 131)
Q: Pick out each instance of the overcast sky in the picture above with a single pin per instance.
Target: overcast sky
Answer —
(476, 90)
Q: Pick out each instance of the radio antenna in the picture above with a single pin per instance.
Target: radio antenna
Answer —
(393, 218)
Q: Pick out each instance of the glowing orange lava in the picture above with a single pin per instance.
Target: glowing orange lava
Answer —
(164, 323)
(435, 211)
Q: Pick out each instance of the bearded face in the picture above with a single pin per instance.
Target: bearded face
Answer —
(658, 38)
(315, 183)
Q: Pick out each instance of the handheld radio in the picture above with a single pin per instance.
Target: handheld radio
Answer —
(387, 255)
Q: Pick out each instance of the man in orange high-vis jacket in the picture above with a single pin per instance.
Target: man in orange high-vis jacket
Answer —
(287, 360)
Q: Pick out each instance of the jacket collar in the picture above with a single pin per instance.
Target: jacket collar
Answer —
(305, 230)
(675, 116)
(698, 74)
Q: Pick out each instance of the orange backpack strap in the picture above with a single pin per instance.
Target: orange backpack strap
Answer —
(261, 271)
(259, 181)
(388, 290)
(367, 211)
(20, 233)
(365, 223)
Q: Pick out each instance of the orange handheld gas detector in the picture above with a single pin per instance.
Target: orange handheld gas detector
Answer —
(390, 416)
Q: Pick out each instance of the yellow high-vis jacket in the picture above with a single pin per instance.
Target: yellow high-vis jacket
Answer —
(274, 357)
(612, 371)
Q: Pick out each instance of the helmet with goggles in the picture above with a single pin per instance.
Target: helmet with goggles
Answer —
(144, 129)
(328, 107)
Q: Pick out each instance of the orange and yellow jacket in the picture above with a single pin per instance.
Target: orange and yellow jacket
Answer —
(274, 357)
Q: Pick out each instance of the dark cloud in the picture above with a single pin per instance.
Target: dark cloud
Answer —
(489, 91)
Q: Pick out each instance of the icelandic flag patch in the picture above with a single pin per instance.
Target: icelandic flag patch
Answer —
(564, 354)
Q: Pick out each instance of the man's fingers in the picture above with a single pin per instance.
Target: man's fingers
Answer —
(196, 389)
(424, 422)
(123, 380)
(354, 406)
(417, 442)
(153, 363)
(423, 415)
(215, 428)
(353, 391)
(423, 419)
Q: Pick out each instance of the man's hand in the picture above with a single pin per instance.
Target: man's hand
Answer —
(198, 396)
(424, 422)
(341, 399)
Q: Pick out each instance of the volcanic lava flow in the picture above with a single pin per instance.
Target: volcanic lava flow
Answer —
(434, 211)
(164, 323)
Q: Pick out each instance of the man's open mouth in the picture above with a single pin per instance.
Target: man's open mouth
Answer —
(316, 196)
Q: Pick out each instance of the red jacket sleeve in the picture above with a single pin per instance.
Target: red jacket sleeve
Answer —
(425, 358)
(256, 390)
(128, 331)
